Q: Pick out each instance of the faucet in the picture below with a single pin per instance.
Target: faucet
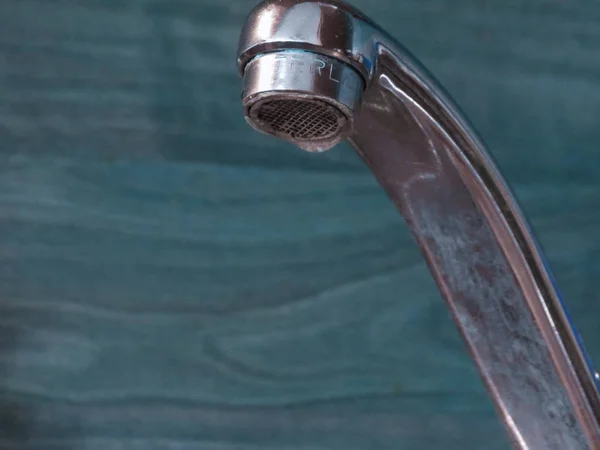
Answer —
(317, 72)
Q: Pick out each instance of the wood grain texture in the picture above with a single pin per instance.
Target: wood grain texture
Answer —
(170, 279)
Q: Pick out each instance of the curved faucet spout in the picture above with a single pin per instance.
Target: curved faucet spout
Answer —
(318, 71)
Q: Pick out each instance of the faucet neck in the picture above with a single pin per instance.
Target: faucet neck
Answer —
(482, 256)
(472, 234)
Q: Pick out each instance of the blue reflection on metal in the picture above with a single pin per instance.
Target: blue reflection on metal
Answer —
(571, 323)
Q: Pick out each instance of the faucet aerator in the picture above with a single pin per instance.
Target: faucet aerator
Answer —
(301, 97)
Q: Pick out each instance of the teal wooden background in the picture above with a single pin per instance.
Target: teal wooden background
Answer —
(170, 279)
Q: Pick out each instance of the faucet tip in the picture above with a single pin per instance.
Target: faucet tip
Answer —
(301, 97)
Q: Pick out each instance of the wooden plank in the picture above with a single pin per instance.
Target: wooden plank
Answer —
(170, 279)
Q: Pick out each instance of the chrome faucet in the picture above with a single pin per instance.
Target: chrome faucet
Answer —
(316, 72)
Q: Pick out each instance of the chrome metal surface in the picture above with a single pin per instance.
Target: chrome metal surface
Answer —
(475, 239)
